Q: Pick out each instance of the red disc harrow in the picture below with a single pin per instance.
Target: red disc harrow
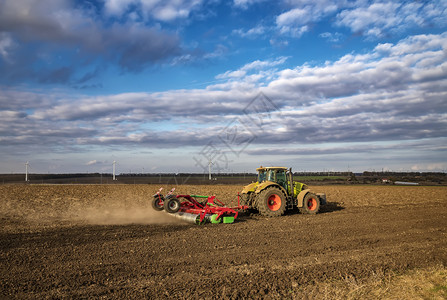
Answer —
(191, 209)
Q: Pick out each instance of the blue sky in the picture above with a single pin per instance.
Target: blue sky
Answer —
(166, 86)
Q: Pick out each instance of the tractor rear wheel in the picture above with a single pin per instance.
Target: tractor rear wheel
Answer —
(311, 204)
(271, 202)
(157, 203)
(172, 205)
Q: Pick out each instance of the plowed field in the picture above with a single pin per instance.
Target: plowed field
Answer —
(94, 241)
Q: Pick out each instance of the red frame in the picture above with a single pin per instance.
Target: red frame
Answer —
(211, 206)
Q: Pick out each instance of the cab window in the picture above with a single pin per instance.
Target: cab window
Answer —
(261, 176)
(271, 176)
(281, 178)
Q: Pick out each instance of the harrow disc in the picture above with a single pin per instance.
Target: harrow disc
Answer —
(157, 203)
(172, 205)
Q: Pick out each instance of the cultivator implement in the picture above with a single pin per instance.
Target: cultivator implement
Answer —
(196, 209)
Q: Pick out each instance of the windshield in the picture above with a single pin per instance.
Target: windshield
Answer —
(271, 175)
(281, 176)
(261, 176)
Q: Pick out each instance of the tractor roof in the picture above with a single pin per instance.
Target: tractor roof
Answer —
(270, 168)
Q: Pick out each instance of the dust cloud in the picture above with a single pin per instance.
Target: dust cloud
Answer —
(33, 207)
(120, 216)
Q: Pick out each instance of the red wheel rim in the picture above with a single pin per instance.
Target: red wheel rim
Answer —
(312, 204)
(274, 202)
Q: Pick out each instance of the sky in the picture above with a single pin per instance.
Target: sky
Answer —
(184, 85)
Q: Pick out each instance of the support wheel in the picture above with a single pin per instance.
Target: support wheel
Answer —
(271, 202)
(172, 205)
(311, 204)
(158, 202)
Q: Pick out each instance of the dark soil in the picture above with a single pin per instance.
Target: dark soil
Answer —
(256, 257)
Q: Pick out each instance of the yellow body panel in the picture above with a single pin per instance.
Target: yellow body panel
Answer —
(257, 187)
(301, 196)
(263, 185)
(250, 188)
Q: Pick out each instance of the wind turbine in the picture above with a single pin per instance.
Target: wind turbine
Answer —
(209, 168)
(114, 168)
(26, 171)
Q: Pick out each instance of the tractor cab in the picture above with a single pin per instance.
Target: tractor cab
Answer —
(273, 174)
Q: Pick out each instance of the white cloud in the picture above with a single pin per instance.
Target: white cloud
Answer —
(232, 74)
(331, 37)
(280, 43)
(219, 51)
(117, 7)
(91, 163)
(6, 46)
(373, 19)
(378, 19)
(251, 33)
(295, 32)
(253, 66)
(244, 4)
(260, 64)
(162, 10)
(295, 21)
(352, 74)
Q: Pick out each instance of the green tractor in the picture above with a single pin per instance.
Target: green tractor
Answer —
(275, 192)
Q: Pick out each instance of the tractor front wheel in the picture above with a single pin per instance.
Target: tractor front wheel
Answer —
(271, 202)
(172, 205)
(311, 204)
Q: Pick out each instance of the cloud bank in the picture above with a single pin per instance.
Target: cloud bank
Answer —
(387, 89)
(76, 33)
(395, 93)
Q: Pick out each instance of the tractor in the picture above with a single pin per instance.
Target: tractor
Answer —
(275, 192)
